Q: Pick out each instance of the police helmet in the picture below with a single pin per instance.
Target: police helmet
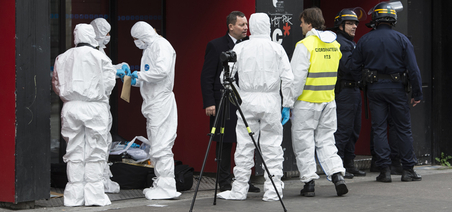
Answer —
(384, 12)
(345, 15)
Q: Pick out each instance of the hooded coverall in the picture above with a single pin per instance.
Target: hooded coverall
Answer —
(263, 70)
(101, 28)
(156, 81)
(84, 77)
(314, 63)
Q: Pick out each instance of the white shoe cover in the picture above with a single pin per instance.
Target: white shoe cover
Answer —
(270, 193)
(111, 186)
(162, 188)
(270, 196)
(231, 195)
(73, 195)
(160, 193)
(238, 192)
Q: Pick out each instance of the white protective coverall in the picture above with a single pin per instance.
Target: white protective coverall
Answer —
(101, 28)
(263, 69)
(84, 77)
(156, 81)
(313, 124)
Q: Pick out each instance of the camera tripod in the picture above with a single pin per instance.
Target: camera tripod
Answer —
(230, 92)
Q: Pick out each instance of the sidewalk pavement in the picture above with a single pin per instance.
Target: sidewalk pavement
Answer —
(433, 194)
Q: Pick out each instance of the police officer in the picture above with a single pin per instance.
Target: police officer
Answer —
(348, 95)
(385, 55)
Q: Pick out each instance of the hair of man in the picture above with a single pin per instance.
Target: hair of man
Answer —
(314, 16)
(232, 18)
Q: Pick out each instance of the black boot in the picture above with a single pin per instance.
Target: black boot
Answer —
(410, 175)
(308, 189)
(396, 167)
(373, 166)
(339, 183)
(349, 165)
(348, 175)
(385, 175)
(253, 188)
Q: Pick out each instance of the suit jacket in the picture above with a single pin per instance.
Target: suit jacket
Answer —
(211, 86)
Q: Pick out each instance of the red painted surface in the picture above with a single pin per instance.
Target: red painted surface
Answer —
(190, 26)
(8, 100)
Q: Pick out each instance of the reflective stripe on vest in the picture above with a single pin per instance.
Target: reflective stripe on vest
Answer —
(322, 73)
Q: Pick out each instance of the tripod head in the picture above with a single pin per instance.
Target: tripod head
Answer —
(226, 57)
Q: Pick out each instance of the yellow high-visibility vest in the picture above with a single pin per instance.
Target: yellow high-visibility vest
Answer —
(322, 73)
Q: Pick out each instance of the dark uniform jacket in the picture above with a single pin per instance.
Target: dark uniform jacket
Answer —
(388, 52)
(347, 46)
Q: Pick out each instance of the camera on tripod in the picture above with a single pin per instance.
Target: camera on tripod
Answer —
(228, 56)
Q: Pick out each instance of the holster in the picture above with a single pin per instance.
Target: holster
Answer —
(369, 76)
(406, 81)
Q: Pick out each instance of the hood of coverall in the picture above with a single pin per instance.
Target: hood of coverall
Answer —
(325, 36)
(84, 33)
(144, 32)
(101, 28)
(259, 24)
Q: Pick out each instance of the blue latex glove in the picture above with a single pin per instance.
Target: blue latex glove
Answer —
(135, 75)
(126, 69)
(285, 115)
(120, 73)
(134, 145)
(134, 81)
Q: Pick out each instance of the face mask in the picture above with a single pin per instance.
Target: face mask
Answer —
(106, 40)
(140, 44)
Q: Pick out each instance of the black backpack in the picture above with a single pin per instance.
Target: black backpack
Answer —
(184, 176)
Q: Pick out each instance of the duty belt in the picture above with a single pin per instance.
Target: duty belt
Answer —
(349, 84)
(393, 77)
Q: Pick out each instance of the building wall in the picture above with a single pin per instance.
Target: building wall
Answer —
(190, 26)
(441, 71)
(7, 103)
(32, 93)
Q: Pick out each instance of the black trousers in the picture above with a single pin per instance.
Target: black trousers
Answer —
(348, 109)
(393, 102)
(224, 173)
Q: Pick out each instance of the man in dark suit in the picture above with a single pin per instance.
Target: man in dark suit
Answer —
(211, 92)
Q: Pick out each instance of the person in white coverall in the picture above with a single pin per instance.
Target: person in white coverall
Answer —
(84, 77)
(102, 29)
(314, 64)
(156, 81)
(263, 70)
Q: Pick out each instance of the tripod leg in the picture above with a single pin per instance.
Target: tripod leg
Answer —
(251, 133)
(211, 134)
(224, 112)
